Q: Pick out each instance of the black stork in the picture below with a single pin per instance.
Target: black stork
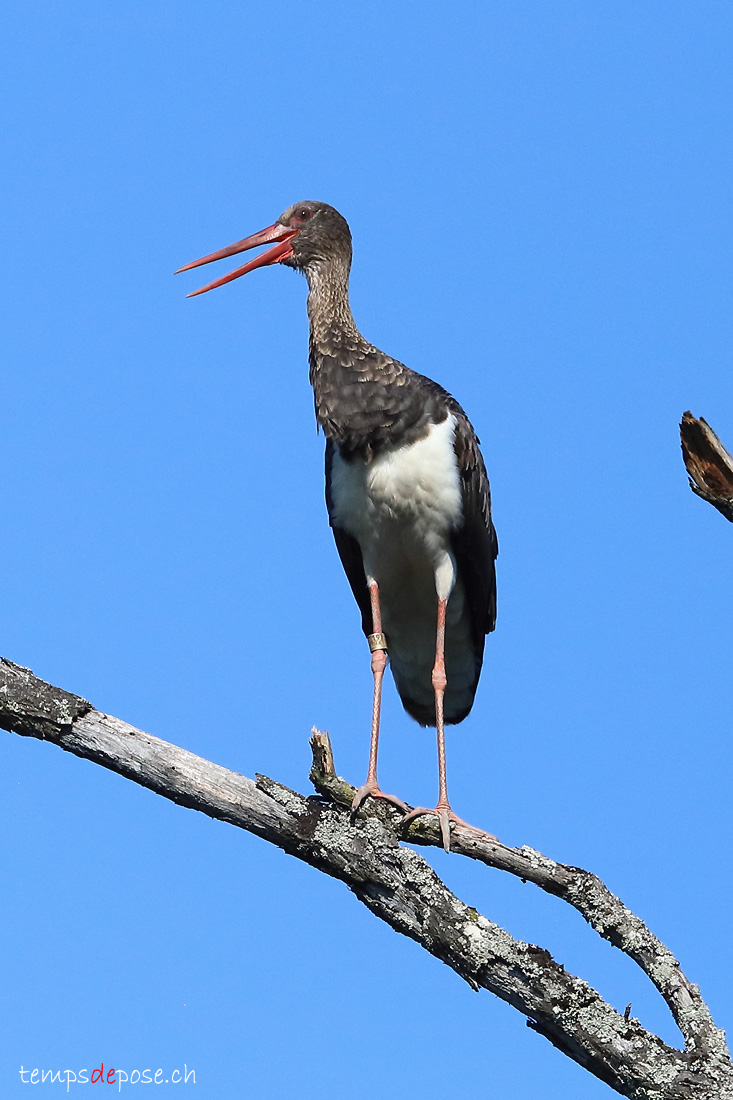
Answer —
(407, 495)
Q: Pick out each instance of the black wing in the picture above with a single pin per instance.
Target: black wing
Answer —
(475, 544)
(350, 553)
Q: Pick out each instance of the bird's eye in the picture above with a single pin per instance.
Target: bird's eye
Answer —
(303, 213)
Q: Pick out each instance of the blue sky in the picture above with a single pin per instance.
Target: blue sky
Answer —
(540, 201)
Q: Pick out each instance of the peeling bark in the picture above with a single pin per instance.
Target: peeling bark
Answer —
(708, 463)
(398, 886)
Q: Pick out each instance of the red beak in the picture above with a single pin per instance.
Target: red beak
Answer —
(277, 232)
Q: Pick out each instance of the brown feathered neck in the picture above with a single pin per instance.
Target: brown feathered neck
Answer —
(364, 399)
(329, 309)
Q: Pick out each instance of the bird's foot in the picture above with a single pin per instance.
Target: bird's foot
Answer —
(371, 789)
(445, 816)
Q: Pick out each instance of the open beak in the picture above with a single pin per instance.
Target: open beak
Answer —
(283, 234)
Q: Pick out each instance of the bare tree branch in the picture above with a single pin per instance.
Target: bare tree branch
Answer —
(708, 463)
(398, 886)
(605, 913)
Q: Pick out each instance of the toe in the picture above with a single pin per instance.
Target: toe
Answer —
(444, 819)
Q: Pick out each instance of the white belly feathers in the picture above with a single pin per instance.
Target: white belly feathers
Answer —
(401, 507)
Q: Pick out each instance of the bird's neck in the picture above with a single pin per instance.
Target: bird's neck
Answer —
(329, 311)
(361, 419)
(336, 346)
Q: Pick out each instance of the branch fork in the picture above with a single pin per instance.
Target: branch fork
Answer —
(401, 888)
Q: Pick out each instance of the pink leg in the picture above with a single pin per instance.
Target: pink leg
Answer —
(443, 809)
(378, 646)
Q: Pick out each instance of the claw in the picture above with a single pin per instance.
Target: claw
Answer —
(445, 816)
(371, 790)
(444, 828)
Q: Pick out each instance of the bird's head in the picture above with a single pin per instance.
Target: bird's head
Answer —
(307, 236)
